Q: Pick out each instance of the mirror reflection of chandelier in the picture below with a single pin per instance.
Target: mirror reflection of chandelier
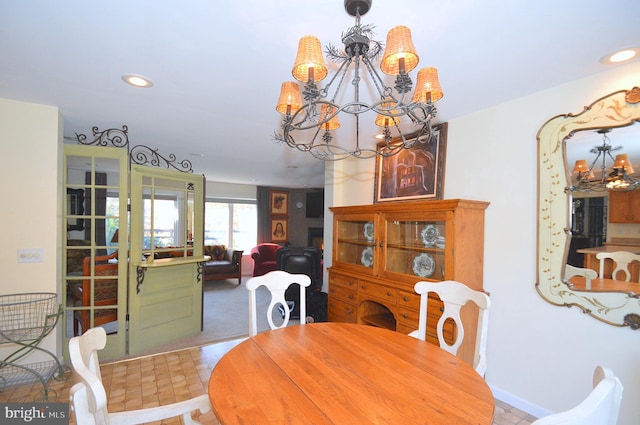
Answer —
(619, 178)
(307, 126)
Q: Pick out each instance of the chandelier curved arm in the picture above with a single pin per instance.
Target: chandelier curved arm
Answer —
(308, 115)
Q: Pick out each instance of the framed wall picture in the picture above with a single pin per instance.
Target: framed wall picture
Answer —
(279, 203)
(279, 231)
(415, 173)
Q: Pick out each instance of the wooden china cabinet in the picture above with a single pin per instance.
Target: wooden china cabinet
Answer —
(380, 251)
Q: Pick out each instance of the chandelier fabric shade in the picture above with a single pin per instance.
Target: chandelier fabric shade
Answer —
(581, 168)
(290, 99)
(385, 120)
(304, 121)
(428, 87)
(333, 123)
(309, 64)
(400, 55)
(622, 163)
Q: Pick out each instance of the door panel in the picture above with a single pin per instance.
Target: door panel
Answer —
(167, 308)
(165, 297)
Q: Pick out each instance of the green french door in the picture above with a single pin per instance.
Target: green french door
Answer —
(133, 250)
(95, 222)
(165, 289)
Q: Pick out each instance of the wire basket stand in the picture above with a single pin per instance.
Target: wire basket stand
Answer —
(25, 320)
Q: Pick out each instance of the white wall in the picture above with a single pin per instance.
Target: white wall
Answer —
(230, 191)
(541, 357)
(30, 148)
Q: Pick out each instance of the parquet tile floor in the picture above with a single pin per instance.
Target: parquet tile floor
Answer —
(179, 375)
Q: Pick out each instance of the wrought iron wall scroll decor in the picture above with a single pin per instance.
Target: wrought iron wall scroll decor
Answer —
(138, 154)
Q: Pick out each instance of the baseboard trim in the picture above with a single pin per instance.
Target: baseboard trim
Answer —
(519, 403)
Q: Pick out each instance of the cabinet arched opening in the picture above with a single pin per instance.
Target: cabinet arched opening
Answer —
(376, 314)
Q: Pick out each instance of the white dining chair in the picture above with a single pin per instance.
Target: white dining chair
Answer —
(276, 282)
(621, 260)
(588, 274)
(601, 407)
(88, 398)
(454, 295)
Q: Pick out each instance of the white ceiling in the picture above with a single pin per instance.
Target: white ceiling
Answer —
(217, 66)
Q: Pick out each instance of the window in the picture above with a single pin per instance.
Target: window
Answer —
(234, 224)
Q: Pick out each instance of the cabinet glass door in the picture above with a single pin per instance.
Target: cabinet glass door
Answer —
(415, 249)
(355, 242)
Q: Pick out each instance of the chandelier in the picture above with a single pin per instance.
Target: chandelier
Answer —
(619, 178)
(307, 125)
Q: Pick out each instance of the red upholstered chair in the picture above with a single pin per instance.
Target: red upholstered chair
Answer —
(264, 258)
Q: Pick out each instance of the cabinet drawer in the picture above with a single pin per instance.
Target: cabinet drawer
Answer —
(408, 299)
(408, 316)
(411, 317)
(367, 289)
(342, 293)
(432, 336)
(345, 281)
(435, 306)
(404, 328)
(340, 311)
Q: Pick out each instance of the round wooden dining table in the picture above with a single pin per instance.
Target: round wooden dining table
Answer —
(340, 373)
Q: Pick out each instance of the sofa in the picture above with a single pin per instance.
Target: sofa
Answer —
(264, 258)
(225, 263)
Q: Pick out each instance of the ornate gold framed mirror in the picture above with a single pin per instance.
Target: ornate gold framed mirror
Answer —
(616, 307)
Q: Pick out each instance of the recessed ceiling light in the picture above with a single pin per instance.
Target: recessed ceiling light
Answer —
(379, 136)
(620, 56)
(137, 80)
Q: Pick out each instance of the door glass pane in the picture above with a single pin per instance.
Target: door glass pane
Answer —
(165, 221)
(190, 217)
(168, 218)
(112, 227)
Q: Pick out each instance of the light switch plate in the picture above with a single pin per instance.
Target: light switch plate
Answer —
(30, 255)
